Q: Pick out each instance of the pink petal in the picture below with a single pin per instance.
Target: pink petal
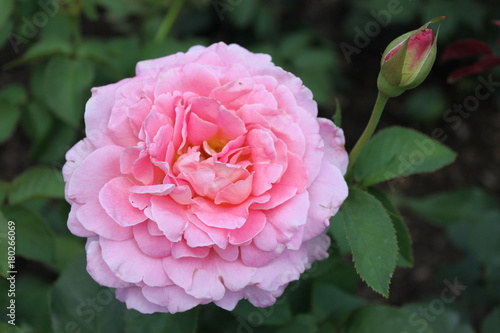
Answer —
(295, 174)
(326, 194)
(229, 301)
(75, 226)
(181, 250)
(114, 198)
(255, 257)
(98, 269)
(151, 245)
(133, 265)
(230, 253)
(266, 240)
(218, 236)
(285, 268)
(95, 219)
(173, 298)
(227, 217)
(134, 299)
(288, 217)
(236, 193)
(196, 237)
(278, 194)
(333, 138)
(97, 113)
(254, 224)
(170, 217)
(159, 189)
(192, 77)
(200, 130)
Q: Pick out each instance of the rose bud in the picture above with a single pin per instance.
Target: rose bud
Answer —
(407, 61)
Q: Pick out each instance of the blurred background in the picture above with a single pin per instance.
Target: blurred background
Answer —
(53, 51)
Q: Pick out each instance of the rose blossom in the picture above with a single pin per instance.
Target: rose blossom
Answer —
(205, 178)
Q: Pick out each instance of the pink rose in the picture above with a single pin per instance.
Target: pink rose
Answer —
(205, 178)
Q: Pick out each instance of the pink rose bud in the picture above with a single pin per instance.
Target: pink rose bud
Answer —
(407, 61)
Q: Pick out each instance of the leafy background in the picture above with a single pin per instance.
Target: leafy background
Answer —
(50, 61)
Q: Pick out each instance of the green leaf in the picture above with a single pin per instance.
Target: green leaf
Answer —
(39, 181)
(397, 152)
(372, 239)
(60, 139)
(405, 258)
(444, 319)
(66, 249)
(12, 97)
(329, 302)
(66, 87)
(337, 117)
(79, 303)
(373, 318)
(8, 120)
(34, 240)
(278, 314)
(336, 272)
(14, 94)
(37, 121)
(492, 322)
(442, 209)
(337, 231)
(303, 323)
(43, 49)
(4, 189)
(183, 322)
(7, 6)
(434, 100)
(33, 293)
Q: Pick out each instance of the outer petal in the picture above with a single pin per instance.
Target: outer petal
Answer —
(134, 298)
(133, 265)
(98, 269)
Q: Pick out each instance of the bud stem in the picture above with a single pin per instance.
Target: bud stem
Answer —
(168, 21)
(378, 108)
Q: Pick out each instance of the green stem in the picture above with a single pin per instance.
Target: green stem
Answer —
(378, 108)
(168, 21)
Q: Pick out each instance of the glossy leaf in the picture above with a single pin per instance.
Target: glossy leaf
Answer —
(372, 239)
(278, 314)
(372, 318)
(183, 322)
(34, 239)
(442, 209)
(79, 303)
(66, 88)
(492, 321)
(329, 302)
(397, 152)
(405, 258)
(40, 181)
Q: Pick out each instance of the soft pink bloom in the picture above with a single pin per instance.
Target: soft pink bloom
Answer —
(205, 178)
